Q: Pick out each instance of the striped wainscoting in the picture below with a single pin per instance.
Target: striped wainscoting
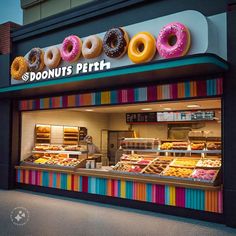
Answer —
(160, 194)
(191, 89)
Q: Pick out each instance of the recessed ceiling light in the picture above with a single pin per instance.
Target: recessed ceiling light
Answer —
(193, 106)
(89, 110)
(146, 109)
(167, 108)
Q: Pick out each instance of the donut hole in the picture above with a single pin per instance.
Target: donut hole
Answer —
(140, 47)
(89, 45)
(69, 48)
(17, 67)
(172, 40)
(33, 59)
(114, 43)
(50, 55)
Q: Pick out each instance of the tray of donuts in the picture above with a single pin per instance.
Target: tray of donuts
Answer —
(209, 163)
(157, 166)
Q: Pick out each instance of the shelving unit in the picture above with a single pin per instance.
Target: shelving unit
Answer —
(42, 134)
(71, 135)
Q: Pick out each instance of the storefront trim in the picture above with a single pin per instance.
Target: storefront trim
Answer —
(183, 90)
(184, 68)
(163, 194)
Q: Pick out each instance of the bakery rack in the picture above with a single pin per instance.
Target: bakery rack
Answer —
(42, 134)
(70, 135)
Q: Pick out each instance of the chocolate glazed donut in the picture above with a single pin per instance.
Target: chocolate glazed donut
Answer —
(35, 60)
(115, 42)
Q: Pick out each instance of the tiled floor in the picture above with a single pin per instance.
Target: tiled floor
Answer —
(50, 215)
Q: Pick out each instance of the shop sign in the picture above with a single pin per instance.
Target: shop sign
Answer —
(65, 71)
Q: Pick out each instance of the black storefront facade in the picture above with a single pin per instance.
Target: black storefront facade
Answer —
(92, 19)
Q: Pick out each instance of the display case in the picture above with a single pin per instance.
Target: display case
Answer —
(57, 156)
(188, 169)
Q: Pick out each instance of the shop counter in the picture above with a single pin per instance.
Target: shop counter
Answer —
(163, 191)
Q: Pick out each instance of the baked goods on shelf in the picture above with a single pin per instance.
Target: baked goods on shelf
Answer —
(139, 143)
(197, 146)
(71, 135)
(184, 162)
(203, 174)
(209, 163)
(43, 128)
(122, 166)
(71, 129)
(72, 148)
(178, 172)
(180, 145)
(157, 166)
(167, 146)
(214, 145)
(135, 169)
(41, 148)
(55, 160)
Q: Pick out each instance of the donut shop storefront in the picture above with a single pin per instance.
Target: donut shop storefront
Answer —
(156, 60)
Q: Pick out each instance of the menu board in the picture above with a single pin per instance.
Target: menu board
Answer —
(185, 116)
(150, 117)
(141, 117)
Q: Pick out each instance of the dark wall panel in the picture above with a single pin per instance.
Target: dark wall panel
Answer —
(5, 140)
(4, 71)
(130, 15)
(229, 115)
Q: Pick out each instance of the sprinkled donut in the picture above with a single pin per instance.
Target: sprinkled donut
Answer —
(52, 57)
(115, 42)
(165, 45)
(142, 47)
(18, 67)
(36, 59)
(92, 47)
(71, 48)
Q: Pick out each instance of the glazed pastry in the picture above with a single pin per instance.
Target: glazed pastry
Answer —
(157, 166)
(168, 49)
(167, 146)
(214, 146)
(209, 163)
(180, 145)
(92, 47)
(115, 42)
(178, 172)
(204, 174)
(197, 146)
(142, 48)
(181, 162)
(52, 57)
(19, 67)
(71, 48)
(36, 60)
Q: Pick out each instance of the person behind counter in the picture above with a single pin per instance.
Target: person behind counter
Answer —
(92, 148)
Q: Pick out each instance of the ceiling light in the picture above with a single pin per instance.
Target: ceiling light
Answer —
(193, 106)
(146, 109)
(167, 108)
(89, 110)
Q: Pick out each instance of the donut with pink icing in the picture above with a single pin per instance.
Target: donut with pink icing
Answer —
(71, 48)
(173, 40)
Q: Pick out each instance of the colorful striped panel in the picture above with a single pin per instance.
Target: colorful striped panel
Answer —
(197, 199)
(192, 89)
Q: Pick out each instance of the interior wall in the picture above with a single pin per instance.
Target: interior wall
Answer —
(94, 122)
(118, 122)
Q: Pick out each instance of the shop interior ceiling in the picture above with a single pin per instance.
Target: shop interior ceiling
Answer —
(166, 106)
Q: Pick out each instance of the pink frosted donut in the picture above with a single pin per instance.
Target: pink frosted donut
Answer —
(71, 48)
(165, 44)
